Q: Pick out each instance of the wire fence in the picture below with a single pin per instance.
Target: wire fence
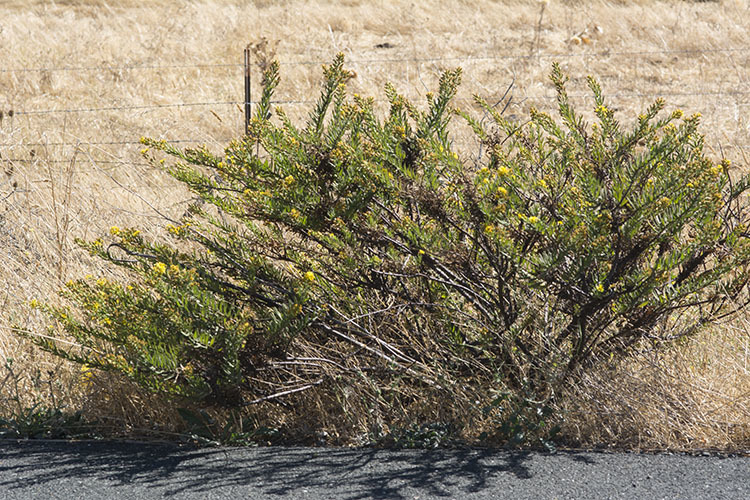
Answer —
(717, 97)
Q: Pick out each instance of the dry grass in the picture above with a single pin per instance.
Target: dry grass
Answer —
(697, 55)
(695, 396)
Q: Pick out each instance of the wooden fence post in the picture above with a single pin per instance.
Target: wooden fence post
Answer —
(247, 90)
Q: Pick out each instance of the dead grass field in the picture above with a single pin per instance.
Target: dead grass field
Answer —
(86, 79)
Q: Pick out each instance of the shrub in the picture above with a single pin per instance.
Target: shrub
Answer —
(367, 251)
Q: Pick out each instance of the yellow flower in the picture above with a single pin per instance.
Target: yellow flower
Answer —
(101, 281)
(174, 269)
(489, 229)
(86, 374)
(289, 180)
(677, 114)
(309, 276)
(114, 230)
(294, 213)
(421, 252)
(533, 219)
(160, 268)
(503, 171)
(34, 303)
(600, 288)
(502, 191)
(144, 151)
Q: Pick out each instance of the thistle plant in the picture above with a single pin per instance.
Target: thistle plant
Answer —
(359, 248)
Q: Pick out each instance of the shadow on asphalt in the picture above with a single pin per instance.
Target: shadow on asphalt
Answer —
(363, 473)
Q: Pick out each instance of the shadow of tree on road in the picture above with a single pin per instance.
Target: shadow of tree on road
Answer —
(360, 473)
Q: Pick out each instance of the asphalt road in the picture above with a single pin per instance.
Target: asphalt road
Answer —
(42, 470)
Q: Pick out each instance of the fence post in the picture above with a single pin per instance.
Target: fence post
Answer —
(247, 90)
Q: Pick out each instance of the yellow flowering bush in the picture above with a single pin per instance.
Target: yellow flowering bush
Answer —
(506, 271)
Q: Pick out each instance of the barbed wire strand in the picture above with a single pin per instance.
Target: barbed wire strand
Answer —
(122, 108)
(109, 143)
(143, 164)
(311, 101)
(99, 162)
(118, 68)
(602, 53)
